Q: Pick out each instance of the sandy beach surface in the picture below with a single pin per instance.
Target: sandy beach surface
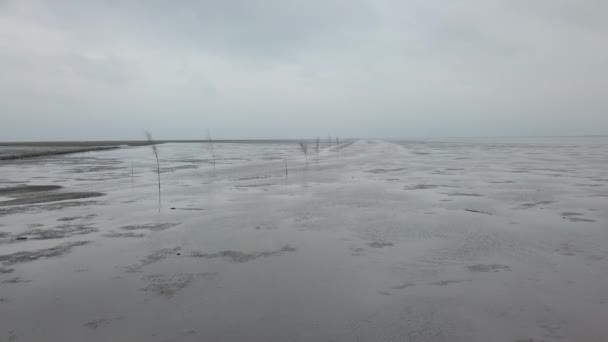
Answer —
(437, 240)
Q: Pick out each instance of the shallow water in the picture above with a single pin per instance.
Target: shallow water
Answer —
(451, 240)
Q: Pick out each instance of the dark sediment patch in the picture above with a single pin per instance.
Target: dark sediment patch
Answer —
(253, 185)
(465, 194)
(250, 178)
(152, 258)
(26, 189)
(168, 286)
(579, 219)
(101, 322)
(449, 282)
(58, 232)
(530, 205)
(44, 207)
(49, 197)
(384, 293)
(124, 235)
(155, 227)
(6, 181)
(488, 268)
(96, 168)
(567, 249)
(4, 270)
(575, 217)
(100, 179)
(15, 280)
(380, 244)
(265, 226)
(236, 256)
(176, 168)
(402, 286)
(20, 257)
(357, 251)
(478, 212)
(421, 187)
(72, 218)
(51, 152)
(568, 214)
(385, 170)
(191, 160)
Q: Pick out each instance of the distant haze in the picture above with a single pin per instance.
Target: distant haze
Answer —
(94, 70)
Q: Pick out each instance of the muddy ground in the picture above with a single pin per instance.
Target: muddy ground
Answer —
(451, 240)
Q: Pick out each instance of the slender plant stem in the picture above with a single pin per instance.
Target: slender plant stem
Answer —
(155, 151)
(158, 173)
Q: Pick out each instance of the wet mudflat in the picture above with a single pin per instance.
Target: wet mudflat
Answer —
(461, 240)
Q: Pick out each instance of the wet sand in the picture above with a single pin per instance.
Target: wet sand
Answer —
(461, 240)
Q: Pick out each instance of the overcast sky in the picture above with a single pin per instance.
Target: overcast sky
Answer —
(77, 69)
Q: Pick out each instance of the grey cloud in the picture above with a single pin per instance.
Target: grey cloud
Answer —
(271, 28)
(292, 68)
